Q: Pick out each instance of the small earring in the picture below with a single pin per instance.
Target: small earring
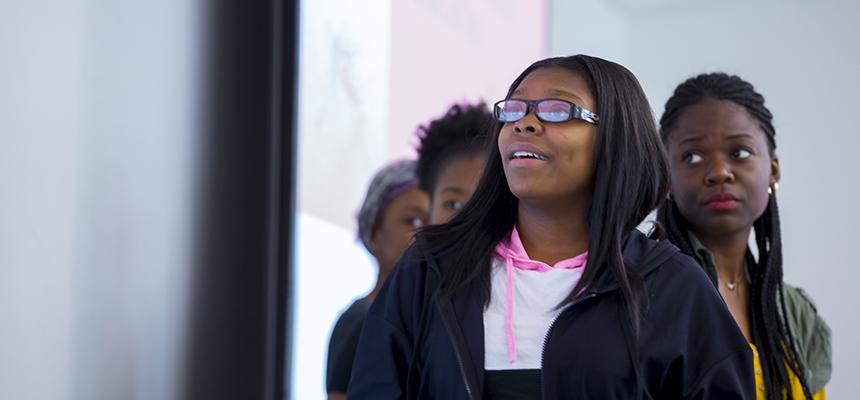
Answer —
(773, 188)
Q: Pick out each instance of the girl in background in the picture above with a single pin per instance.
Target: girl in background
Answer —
(725, 172)
(393, 209)
(452, 153)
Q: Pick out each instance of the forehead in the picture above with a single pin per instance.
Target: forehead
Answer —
(413, 199)
(556, 82)
(715, 120)
(461, 171)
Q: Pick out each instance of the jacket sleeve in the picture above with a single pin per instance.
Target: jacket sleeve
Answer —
(811, 335)
(386, 344)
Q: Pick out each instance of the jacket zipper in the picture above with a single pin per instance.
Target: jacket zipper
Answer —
(590, 295)
(447, 323)
(463, 373)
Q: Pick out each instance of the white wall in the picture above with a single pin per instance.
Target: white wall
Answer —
(39, 128)
(333, 270)
(97, 123)
(139, 117)
(343, 98)
(803, 57)
(342, 140)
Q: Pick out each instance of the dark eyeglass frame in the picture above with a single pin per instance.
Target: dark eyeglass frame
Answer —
(576, 111)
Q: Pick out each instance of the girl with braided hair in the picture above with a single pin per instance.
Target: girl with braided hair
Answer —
(721, 144)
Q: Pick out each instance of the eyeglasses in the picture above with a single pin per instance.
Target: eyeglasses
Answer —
(546, 110)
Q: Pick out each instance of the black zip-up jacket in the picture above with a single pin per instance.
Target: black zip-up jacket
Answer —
(417, 344)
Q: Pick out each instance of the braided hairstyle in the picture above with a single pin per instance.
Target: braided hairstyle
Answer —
(769, 327)
(462, 131)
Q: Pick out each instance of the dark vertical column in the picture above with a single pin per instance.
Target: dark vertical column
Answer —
(284, 238)
(238, 344)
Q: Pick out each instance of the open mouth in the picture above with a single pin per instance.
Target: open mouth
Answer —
(519, 155)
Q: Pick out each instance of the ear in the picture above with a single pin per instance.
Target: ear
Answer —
(774, 169)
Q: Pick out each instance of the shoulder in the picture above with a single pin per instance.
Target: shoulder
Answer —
(797, 299)
(664, 258)
(343, 344)
(810, 333)
(348, 326)
(411, 269)
(353, 317)
(402, 296)
(680, 290)
(801, 310)
(667, 270)
(681, 272)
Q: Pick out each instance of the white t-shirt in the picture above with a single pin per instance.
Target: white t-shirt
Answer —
(536, 295)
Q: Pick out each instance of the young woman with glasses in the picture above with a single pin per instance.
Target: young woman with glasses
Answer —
(541, 287)
(721, 144)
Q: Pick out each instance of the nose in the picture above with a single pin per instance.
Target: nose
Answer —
(529, 124)
(719, 173)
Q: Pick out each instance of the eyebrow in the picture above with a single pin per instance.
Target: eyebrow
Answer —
(453, 189)
(741, 135)
(554, 92)
(559, 92)
(696, 139)
(416, 209)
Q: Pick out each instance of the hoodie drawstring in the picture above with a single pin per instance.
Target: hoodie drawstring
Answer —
(509, 312)
(515, 256)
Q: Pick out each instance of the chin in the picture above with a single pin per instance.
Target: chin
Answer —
(523, 190)
(535, 196)
(726, 225)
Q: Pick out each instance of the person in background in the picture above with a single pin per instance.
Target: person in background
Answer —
(393, 209)
(721, 144)
(452, 153)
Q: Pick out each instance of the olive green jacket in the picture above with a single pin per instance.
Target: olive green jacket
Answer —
(808, 330)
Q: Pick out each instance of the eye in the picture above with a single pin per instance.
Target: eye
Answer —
(511, 110)
(416, 223)
(692, 158)
(452, 205)
(554, 110)
(741, 154)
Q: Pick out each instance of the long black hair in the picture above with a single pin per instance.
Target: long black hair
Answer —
(631, 178)
(769, 327)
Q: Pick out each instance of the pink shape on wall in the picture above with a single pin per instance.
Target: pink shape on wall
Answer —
(450, 51)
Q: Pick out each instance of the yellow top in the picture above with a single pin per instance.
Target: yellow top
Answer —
(796, 388)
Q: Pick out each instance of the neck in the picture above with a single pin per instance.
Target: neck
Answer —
(380, 279)
(552, 236)
(729, 252)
